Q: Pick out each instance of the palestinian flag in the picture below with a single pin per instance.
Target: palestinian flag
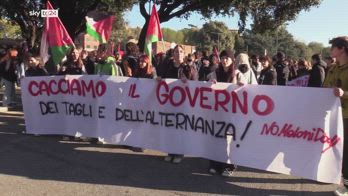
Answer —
(99, 25)
(54, 38)
(153, 33)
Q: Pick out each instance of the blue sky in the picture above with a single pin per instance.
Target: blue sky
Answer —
(320, 24)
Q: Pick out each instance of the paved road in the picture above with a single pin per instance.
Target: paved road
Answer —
(45, 165)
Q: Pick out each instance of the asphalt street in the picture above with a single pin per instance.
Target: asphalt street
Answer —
(46, 165)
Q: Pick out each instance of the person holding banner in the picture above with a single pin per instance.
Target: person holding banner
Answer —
(143, 70)
(243, 65)
(338, 79)
(226, 72)
(207, 68)
(178, 69)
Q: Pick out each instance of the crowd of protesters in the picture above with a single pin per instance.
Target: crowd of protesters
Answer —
(329, 71)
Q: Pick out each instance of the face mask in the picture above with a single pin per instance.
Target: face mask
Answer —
(243, 68)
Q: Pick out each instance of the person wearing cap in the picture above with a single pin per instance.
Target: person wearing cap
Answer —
(243, 65)
(106, 65)
(338, 80)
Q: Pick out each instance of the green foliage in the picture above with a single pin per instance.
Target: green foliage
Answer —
(277, 40)
(71, 12)
(315, 47)
(191, 36)
(18, 11)
(215, 34)
(326, 52)
(171, 35)
(9, 30)
(266, 14)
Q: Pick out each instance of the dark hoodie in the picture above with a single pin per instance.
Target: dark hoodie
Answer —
(317, 75)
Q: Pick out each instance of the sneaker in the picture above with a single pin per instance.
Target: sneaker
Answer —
(177, 159)
(212, 171)
(341, 191)
(168, 158)
(227, 172)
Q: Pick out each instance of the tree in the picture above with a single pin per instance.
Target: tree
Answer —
(191, 36)
(266, 14)
(19, 11)
(316, 47)
(9, 29)
(272, 41)
(71, 12)
(216, 34)
(171, 35)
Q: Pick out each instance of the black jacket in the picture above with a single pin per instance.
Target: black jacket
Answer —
(317, 75)
(71, 69)
(268, 76)
(204, 72)
(9, 72)
(38, 71)
(282, 73)
(171, 71)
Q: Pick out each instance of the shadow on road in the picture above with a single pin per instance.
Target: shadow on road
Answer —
(45, 158)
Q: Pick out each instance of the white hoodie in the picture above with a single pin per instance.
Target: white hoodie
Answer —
(249, 76)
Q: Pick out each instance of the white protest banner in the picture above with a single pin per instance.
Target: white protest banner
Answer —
(300, 81)
(264, 127)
